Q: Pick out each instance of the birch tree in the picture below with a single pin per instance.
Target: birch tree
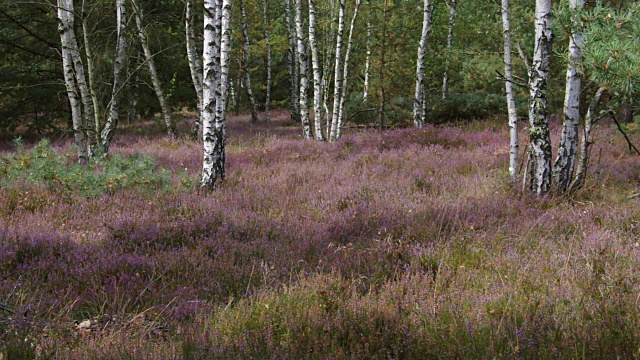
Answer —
(97, 119)
(65, 27)
(367, 61)
(317, 75)
(267, 41)
(302, 64)
(292, 65)
(538, 176)
(511, 101)
(246, 48)
(118, 65)
(419, 104)
(337, 78)
(195, 65)
(151, 65)
(217, 17)
(345, 70)
(451, 4)
(564, 165)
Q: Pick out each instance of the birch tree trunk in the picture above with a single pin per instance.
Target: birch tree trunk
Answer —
(419, 104)
(151, 65)
(267, 41)
(65, 26)
(337, 79)
(304, 81)
(564, 165)
(345, 70)
(317, 75)
(118, 65)
(587, 140)
(292, 66)
(511, 101)
(245, 64)
(194, 65)
(540, 148)
(328, 63)
(367, 61)
(92, 83)
(216, 51)
(451, 4)
(383, 50)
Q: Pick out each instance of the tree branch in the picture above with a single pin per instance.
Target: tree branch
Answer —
(626, 137)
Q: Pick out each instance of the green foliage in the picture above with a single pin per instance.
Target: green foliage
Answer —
(44, 165)
(467, 107)
(611, 49)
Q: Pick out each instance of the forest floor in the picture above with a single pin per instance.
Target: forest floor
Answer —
(408, 243)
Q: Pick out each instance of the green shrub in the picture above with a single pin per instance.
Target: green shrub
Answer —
(468, 107)
(44, 165)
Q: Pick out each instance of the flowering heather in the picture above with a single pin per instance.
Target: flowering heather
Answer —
(408, 243)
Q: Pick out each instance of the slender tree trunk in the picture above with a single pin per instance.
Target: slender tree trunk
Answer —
(216, 51)
(302, 63)
(195, 65)
(564, 165)
(151, 65)
(367, 62)
(337, 79)
(540, 159)
(65, 26)
(451, 4)
(383, 49)
(267, 41)
(292, 67)
(118, 65)
(419, 113)
(345, 70)
(95, 127)
(511, 101)
(246, 65)
(587, 140)
(317, 75)
(329, 64)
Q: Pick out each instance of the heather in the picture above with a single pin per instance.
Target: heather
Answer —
(408, 243)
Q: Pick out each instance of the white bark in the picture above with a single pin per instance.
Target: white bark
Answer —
(345, 70)
(267, 41)
(337, 72)
(65, 26)
(151, 65)
(118, 65)
(564, 165)
(93, 125)
(195, 65)
(317, 75)
(246, 48)
(451, 4)
(215, 90)
(292, 56)
(419, 113)
(540, 148)
(367, 62)
(511, 101)
(302, 63)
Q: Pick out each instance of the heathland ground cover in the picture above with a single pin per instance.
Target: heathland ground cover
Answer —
(409, 243)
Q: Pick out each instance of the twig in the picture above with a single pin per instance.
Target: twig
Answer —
(626, 137)
(5, 308)
(502, 77)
